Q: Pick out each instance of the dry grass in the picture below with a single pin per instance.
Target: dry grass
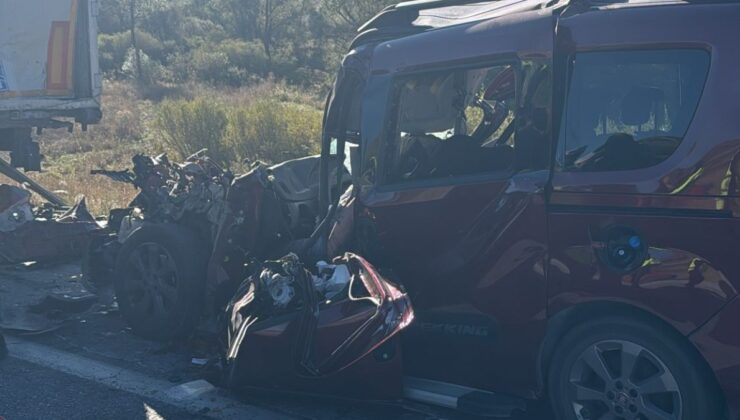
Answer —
(70, 177)
(128, 128)
(69, 157)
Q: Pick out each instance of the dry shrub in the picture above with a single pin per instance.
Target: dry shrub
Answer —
(233, 124)
(188, 126)
(274, 131)
(261, 129)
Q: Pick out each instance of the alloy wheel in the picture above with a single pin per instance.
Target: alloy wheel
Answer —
(622, 380)
(152, 280)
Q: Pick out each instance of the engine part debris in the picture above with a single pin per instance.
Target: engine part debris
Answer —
(331, 279)
(192, 193)
(266, 213)
(170, 191)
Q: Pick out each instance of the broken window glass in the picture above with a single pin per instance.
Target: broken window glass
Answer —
(453, 123)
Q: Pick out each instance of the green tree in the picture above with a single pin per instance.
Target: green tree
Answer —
(302, 41)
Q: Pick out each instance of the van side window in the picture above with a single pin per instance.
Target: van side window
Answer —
(452, 123)
(629, 109)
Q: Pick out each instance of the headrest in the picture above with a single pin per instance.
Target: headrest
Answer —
(638, 104)
(428, 105)
(502, 87)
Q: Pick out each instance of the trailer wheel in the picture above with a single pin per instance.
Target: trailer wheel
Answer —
(159, 281)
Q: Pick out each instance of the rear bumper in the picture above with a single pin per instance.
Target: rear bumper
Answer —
(719, 342)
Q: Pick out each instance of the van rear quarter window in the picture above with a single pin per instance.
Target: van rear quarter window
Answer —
(629, 110)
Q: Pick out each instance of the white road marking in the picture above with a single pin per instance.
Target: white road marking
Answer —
(151, 414)
(195, 397)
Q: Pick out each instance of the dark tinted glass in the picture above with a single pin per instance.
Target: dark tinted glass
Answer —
(630, 109)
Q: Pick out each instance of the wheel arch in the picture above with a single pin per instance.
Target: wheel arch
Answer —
(561, 322)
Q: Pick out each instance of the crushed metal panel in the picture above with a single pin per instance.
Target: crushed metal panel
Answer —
(15, 207)
(321, 338)
(43, 234)
(170, 191)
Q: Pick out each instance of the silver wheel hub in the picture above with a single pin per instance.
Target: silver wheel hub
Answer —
(621, 380)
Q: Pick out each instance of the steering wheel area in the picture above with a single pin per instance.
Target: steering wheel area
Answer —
(414, 161)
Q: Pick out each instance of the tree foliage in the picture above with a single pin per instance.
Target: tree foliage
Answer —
(231, 42)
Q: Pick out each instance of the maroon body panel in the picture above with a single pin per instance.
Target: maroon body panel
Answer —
(240, 234)
(492, 260)
(703, 160)
(481, 265)
(680, 209)
(471, 251)
(523, 35)
(719, 343)
(345, 339)
(684, 280)
(475, 255)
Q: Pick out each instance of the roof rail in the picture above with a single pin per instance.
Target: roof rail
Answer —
(402, 19)
(433, 4)
(405, 13)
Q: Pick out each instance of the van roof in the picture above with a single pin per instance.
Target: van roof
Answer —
(430, 14)
(514, 33)
(422, 15)
(448, 31)
(414, 17)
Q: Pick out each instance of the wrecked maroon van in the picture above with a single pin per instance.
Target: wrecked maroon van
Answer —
(552, 185)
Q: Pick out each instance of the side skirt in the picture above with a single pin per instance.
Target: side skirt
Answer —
(462, 398)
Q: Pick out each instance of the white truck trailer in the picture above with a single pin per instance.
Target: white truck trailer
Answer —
(49, 74)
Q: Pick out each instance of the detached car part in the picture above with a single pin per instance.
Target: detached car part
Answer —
(184, 243)
(44, 233)
(320, 332)
(191, 194)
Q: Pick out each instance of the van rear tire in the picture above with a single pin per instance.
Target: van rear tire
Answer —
(624, 368)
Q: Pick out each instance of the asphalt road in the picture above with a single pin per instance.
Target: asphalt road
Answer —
(93, 367)
(29, 391)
